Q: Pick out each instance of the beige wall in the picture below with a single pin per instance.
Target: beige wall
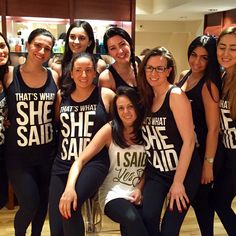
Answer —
(175, 36)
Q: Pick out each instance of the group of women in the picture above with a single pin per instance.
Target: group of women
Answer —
(134, 134)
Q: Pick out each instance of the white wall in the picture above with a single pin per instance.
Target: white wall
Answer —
(175, 36)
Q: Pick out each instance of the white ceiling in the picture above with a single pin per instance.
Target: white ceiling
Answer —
(179, 10)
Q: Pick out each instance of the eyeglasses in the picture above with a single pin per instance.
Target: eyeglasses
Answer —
(158, 69)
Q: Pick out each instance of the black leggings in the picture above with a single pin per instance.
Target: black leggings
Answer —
(89, 180)
(3, 183)
(204, 210)
(31, 186)
(202, 203)
(154, 195)
(127, 215)
(224, 191)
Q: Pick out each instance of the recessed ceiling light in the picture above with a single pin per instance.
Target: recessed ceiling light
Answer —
(212, 9)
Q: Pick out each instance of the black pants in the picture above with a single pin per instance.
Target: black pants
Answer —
(224, 191)
(31, 186)
(204, 210)
(202, 203)
(127, 215)
(89, 180)
(154, 195)
(3, 183)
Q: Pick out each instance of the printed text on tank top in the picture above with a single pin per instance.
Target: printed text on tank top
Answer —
(160, 149)
(228, 125)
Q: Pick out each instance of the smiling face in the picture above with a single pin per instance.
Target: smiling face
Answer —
(153, 77)
(4, 52)
(226, 51)
(126, 111)
(83, 72)
(78, 40)
(198, 60)
(40, 48)
(119, 49)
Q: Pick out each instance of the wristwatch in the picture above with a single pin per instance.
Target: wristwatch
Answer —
(209, 159)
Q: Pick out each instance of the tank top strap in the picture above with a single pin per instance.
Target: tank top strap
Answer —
(183, 80)
(167, 98)
(16, 77)
(100, 96)
(114, 72)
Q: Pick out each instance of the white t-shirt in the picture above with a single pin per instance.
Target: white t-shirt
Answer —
(126, 168)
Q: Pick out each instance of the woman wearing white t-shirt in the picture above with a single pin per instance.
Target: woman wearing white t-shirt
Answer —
(120, 193)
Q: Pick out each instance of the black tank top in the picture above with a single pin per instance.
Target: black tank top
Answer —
(30, 137)
(79, 122)
(118, 79)
(228, 130)
(195, 97)
(3, 115)
(163, 141)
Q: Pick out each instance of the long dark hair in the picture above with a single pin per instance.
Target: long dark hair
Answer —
(111, 32)
(4, 68)
(145, 90)
(68, 53)
(68, 85)
(212, 72)
(117, 125)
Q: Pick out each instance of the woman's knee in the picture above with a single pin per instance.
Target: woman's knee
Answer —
(132, 219)
(30, 207)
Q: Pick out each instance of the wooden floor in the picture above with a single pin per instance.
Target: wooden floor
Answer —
(189, 227)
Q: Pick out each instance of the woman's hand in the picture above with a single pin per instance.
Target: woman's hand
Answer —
(136, 197)
(177, 194)
(207, 173)
(69, 196)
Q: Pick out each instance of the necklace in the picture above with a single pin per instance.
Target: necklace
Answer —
(192, 82)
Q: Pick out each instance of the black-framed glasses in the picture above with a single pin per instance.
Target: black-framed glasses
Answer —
(158, 69)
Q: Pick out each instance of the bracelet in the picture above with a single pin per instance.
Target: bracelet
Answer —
(209, 159)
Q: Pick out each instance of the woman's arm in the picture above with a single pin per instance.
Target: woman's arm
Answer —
(56, 66)
(57, 106)
(102, 138)
(106, 80)
(101, 66)
(182, 112)
(107, 98)
(211, 106)
(137, 194)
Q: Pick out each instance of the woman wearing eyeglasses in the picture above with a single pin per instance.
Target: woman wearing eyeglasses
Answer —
(173, 167)
(201, 84)
(81, 109)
